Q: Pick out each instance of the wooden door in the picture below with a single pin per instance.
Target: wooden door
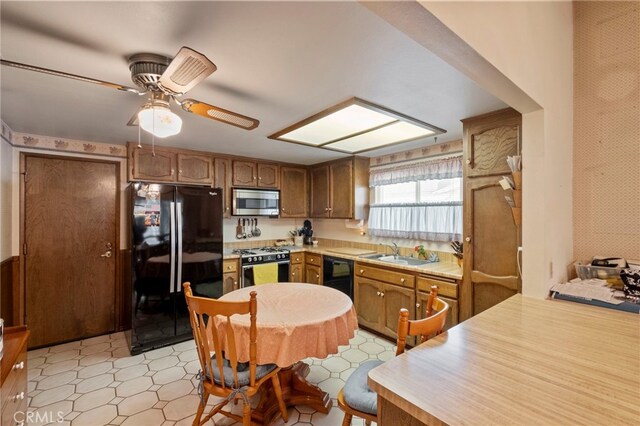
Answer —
(160, 167)
(222, 179)
(313, 274)
(244, 173)
(491, 238)
(368, 302)
(320, 191)
(71, 221)
(341, 184)
(293, 192)
(193, 168)
(268, 175)
(395, 298)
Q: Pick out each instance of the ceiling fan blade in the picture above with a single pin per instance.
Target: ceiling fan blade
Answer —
(220, 114)
(186, 70)
(67, 75)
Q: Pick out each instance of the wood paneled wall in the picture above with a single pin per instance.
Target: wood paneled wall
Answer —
(9, 291)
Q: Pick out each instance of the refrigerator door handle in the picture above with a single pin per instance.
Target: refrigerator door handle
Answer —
(172, 254)
(178, 282)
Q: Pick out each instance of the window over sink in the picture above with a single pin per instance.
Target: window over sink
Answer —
(418, 200)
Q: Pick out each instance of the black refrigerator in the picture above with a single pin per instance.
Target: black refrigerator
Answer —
(176, 237)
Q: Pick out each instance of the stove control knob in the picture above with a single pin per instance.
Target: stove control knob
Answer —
(260, 258)
(277, 256)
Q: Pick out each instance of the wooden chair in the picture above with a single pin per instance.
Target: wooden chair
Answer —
(221, 374)
(356, 398)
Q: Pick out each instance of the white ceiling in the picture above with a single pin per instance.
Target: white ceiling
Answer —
(279, 62)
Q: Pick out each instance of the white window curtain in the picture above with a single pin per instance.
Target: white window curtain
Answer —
(444, 168)
(441, 221)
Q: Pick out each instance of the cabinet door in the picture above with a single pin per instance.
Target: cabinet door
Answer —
(222, 179)
(244, 173)
(294, 193)
(395, 298)
(320, 192)
(421, 308)
(160, 167)
(341, 192)
(296, 273)
(313, 274)
(368, 302)
(229, 282)
(268, 175)
(195, 168)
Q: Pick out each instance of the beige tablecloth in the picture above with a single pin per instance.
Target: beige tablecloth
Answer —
(294, 321)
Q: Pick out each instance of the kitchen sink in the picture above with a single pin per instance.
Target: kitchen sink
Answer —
(399, 260)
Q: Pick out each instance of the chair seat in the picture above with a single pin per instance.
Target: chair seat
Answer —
(243, 372)
(357, 392)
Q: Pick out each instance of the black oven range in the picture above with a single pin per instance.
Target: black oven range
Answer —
(257, 256)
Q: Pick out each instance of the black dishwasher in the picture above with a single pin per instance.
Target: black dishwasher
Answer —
(338, 274)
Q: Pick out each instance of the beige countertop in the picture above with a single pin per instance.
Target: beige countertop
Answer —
(443, 269)
(525, 360)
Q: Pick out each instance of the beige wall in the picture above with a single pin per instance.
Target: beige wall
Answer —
(531, 43)
(607, 130)
(6, 178)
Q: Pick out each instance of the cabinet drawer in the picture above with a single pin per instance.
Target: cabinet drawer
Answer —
(298, 258)
(313, 259)
(445, 288)
(230, 265)
(18, 372)
(392, 277)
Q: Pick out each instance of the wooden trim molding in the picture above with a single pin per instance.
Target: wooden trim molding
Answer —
(61, 145)
(10, 291)
(419, 153)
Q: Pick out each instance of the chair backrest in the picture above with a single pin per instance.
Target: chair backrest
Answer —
(427, 327)
(202, 312)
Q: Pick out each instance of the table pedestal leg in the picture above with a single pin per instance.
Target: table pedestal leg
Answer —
(295, 391)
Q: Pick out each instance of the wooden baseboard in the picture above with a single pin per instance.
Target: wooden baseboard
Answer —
(9, 290)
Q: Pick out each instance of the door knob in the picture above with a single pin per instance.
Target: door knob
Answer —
(468, 239)
(106, 254)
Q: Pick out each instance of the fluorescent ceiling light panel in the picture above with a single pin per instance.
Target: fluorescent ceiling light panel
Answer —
(347, 121)
(356, 126)
(394, 133)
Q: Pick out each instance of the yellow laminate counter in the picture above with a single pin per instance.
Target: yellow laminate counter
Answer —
(523, 361)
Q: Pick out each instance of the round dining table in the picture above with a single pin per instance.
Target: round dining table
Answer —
(294, 321)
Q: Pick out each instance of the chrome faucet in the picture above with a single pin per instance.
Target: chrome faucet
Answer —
(394, 248)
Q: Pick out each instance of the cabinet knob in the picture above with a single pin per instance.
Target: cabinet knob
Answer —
(417, 305)
(18, 397)
(259, 177)
(468, 161)
(401, 280)
(317, 276)
(180, 171)
(18, 365)
(468, 239)
(382, 294)
(293, 274)
(330, 209)
(378, 293)
(297, 259)
(326, 209)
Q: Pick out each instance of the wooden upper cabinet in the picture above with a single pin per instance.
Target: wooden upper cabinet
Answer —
(222, 179)
(194, 168)
(489, 139)
(160, 167)
(340, 189)
(294, 193)
(320, 191)
(341, 183)
(244, 173)
(268, 175)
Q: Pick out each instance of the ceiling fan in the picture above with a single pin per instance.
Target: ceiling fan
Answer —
(164, 80)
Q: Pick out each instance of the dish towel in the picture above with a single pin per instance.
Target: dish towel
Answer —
(266, 273)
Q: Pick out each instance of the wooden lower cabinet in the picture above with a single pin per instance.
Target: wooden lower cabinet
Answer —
(230, 276)
(296, 268)
(378, 304)
(313, 274)
(421, 312)
(14, 376)
(447, 291)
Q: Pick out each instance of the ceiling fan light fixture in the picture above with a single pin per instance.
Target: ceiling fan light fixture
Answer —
(159, 120)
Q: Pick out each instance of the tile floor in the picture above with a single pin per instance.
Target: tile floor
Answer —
(96, 382)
